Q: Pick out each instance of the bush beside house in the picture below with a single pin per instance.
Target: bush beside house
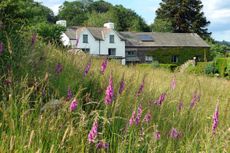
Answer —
(180, 55)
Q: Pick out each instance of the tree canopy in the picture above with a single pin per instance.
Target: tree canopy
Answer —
(185, 16)
(98, 12)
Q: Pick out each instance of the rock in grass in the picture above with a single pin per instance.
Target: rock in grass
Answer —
(52, 105)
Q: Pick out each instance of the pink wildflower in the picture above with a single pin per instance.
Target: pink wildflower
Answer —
(157, 135)
(109, 92)
(132, 119)
(69, 94)
(139, 113)
(141, 88)
(102, 145)
(73, 105)
(87, 68)
(161, 99)
(215, 119)
(58, 68)
(93, 132)
(122, 85)
(1, 48)
(147, 117)
(104, 65)
(174, 133)
(173, 83)
(195, 99)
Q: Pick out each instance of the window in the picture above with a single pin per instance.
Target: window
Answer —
(86, 50)
(85, 38)
(174, 59)
(148, 58)
(112, 51)
(111, 38)
(130, 53)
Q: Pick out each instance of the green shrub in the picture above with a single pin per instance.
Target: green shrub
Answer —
(221, 64)
(210, 68)
(200, 68)
(155, 64)
(171, 67)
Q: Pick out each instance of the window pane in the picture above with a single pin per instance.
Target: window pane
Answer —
(85, 38)
(112, 51)
(111, 38)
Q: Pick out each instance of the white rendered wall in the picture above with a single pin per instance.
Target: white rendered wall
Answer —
(92, 44)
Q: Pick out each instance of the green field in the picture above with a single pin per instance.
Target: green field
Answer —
(35, 113)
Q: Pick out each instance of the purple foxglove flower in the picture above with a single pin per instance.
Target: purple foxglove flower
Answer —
(174, 133)
(69, 94)
(180, 106)
(161, 99)
(1, 48)
(109, 92)
(195, 99)
(73, 105)
(104, 65)
(33, 40)
(87, 68)
(147, 117)
(157, 135)
(132, 119)
(102, 145)
(141, 88)
(93, 132)
(122, 85)
(215, 119)
(139, 113)
(173, 83)
(58, 68)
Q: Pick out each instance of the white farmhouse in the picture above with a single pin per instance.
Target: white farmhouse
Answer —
(100, 41)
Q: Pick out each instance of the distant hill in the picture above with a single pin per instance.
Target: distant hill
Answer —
(227, 43)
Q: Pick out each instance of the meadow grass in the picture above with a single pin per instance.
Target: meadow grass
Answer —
(35, 114)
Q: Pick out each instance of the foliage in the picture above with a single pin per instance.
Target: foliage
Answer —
(185, 16)
(161, 25)
(164, 56)
(221, 64)
(74, 13)
(210, 68)
(99, 12)
(170, 67)
(51, 33)
(155, 64)
(16, 14)
(201, 68)
(218, 50)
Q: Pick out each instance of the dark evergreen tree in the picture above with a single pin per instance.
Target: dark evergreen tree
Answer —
(185, 16)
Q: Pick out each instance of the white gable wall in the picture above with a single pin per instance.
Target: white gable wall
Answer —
(92, 44)
(65, 39)
(118, 44)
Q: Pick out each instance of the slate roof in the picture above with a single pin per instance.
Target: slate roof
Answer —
(97, 32)
(163, 39)
(71, 33)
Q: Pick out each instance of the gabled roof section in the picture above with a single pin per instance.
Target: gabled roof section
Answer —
(98, 33)
(71, 33)
(134, 39)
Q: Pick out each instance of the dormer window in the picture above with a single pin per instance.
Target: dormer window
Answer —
(85, 39)
(111, 39)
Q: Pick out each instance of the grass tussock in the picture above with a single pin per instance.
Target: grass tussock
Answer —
(35, 113)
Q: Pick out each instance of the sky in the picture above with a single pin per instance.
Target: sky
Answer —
(216, 11)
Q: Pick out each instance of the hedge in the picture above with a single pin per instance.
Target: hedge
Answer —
(222, 65)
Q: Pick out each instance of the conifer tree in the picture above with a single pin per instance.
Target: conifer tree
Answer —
(186, 16)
